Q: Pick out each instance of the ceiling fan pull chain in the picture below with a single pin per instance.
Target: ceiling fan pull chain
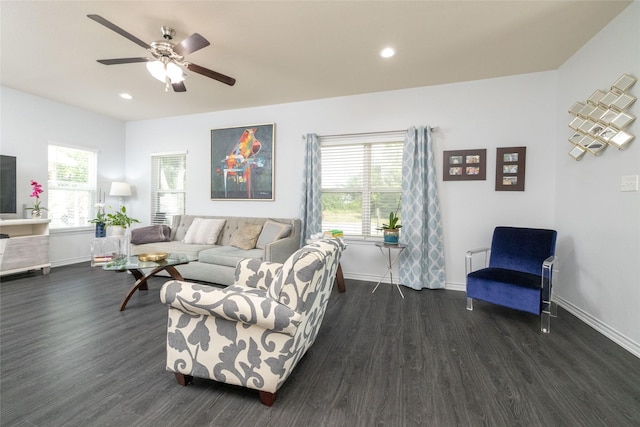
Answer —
(167, 80)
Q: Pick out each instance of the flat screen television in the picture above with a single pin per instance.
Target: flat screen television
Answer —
(7, 185)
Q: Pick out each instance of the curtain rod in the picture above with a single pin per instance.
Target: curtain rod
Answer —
(386, 132)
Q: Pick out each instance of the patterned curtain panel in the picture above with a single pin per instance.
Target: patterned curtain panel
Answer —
(421, 264)
(311, 209)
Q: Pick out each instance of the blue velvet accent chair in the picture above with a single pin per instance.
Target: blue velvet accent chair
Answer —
(518, 274)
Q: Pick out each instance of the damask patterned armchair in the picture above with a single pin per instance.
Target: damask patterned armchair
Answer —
(252, 333)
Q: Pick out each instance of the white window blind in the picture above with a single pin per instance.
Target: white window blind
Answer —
(72, 183)
(361, 182)
(168, 183)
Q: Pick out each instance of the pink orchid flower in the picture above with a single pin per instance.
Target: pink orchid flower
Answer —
(37, 189)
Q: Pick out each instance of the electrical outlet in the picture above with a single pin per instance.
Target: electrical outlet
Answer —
(629, 183)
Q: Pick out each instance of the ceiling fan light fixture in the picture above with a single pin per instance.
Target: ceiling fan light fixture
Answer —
(174, 72)
(156, 68)
(161, 71)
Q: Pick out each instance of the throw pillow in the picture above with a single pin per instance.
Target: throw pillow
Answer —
(166, 230)
(272, 231)
(150, 234)
(204, 231)
(246, 236)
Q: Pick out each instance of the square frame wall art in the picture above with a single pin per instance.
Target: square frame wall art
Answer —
(510, 168)
(465, 165)
(242, 166)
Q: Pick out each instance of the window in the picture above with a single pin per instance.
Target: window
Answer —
(168, 179)
(361, 182)
(72, 186)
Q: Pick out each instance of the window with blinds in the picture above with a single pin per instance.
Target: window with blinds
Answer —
(168, 183)
(71, 186)
(361, 182)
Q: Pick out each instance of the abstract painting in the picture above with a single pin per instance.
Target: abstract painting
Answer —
(242, 163)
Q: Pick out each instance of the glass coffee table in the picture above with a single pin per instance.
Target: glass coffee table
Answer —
(136, 264)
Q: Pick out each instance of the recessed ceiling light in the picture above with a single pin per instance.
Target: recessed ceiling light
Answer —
(387, 52)
(125, 96)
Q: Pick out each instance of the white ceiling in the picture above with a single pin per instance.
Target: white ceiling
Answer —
(283, 51)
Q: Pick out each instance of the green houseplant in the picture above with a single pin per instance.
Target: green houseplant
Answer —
(120, 219)
(393, 224)
(391, 230)
(100, 220)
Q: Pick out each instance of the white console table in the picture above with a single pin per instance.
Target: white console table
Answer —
(27, 247)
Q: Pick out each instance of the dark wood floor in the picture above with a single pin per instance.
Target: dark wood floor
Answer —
(70, 358)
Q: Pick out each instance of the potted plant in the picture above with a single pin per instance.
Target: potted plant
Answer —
(391, 230)
(100, 220)
(36, 210)
(118, 221)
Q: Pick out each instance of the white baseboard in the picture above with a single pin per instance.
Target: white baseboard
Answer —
(373, 278)
(461, 287)
(364, 277)
(69, 261)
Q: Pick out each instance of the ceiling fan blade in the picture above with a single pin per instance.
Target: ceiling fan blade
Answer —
(113, 27)
(123, 61)
(189, 45)
(211, 74)
(179, 87)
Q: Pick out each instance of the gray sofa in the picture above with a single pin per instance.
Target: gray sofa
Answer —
(216, 262)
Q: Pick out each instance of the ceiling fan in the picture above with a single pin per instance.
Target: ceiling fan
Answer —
(168, 58)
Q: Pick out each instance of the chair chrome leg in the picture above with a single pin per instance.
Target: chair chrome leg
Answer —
(469, 304)
(545, 323)
(549, 310)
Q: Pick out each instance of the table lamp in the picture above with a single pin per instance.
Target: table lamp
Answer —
(121, 190)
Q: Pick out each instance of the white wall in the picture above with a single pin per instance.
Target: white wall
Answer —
(505, 112)
(599, 241)
(29, 124)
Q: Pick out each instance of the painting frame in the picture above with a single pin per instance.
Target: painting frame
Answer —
(510, 168)
(464, 165)
(242, 163)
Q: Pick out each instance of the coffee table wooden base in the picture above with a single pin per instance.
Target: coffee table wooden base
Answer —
(141, 280)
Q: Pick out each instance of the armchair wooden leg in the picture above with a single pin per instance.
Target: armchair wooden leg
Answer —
(183, 379)
(340, 279)
(267, 398)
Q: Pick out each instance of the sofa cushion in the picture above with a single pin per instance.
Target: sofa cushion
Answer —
(204, 231)
(233, 224)
(272, 231)
(170, 247)
(228, 255)
(180, 226)
(246, 236)
(150, 234)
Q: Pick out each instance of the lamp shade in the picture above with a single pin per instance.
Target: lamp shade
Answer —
(174, 72)
(161, 71)
(120, 189)
(156, 68)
